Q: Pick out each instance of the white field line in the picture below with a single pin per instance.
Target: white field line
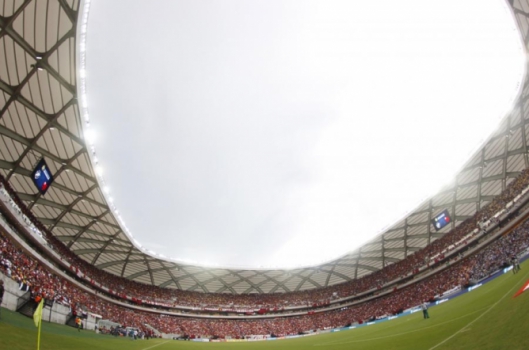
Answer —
(477, 318)
(402, 333)
(151, 347)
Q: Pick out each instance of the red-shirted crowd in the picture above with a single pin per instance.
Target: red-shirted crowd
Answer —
(26, 271)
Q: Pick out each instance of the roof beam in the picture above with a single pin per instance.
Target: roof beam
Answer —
(425, 235)
(415, 249)
(141, 273)
(87, 227)
(170, 272)
(129, 254)
(307, 279)
(367, 267)
(89, 251)
(110, 263)
(82, 240)
(192, 276)
(219, 279)
(166, 283)
(72, 15)
(42, 63)
(149, 269)
(379, 258)
(70, 207)
(107, 243)
(28, 143)
(341, 275)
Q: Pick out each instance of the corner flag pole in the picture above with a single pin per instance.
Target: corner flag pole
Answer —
(38, 336)
(37, 319)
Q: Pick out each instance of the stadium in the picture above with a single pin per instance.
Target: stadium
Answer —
(456, 256)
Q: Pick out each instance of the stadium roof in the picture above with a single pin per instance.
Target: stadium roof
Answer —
(42, 116)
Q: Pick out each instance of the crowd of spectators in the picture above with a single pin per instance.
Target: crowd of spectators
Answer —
(148, 294)
(30, 274)
(458, 274)
(502, 252)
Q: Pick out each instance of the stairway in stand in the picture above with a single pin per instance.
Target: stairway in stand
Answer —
(26, 305)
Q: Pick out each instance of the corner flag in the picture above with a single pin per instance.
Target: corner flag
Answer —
(521, 290)
(37, 318)
(37, 315)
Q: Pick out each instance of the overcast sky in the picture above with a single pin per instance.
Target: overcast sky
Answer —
(285, 133)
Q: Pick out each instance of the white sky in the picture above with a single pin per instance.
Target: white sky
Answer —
(286, 133)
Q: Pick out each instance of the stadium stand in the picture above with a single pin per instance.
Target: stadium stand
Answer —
(456, 272)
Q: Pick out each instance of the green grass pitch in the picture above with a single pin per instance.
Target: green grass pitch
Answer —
(486, 318)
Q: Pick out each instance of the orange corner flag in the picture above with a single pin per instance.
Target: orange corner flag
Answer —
(523, 289)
